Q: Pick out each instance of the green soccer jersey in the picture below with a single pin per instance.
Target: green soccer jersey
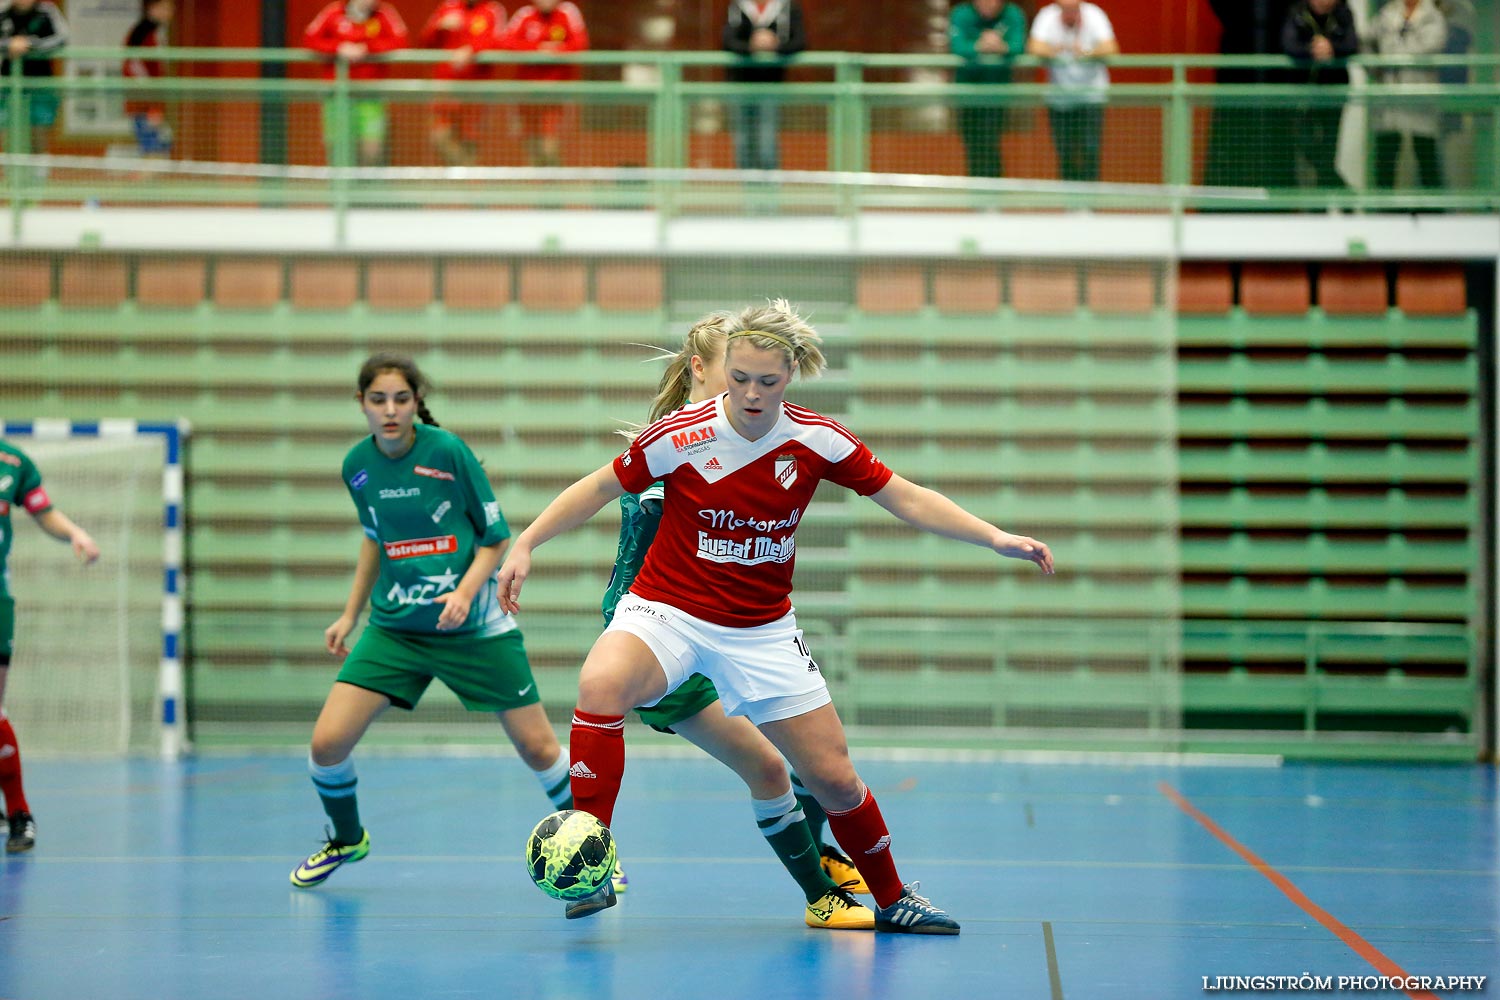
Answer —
(20, 487)
(428, 511)
(640, 516)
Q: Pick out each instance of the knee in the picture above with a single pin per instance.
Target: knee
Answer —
(327, 752)
(539, 752)
(602, 693)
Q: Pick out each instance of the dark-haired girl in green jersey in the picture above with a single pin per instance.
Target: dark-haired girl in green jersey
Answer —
(434, 534)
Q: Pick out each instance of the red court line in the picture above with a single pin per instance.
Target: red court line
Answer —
(1361, 947)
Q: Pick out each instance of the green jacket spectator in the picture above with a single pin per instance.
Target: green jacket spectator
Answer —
(970, 21)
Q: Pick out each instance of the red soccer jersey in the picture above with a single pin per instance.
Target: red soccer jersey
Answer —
(482, 28)
(382, 31)
(560, 31)
(727, 542)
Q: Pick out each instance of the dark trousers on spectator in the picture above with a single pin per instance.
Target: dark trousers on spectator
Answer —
(1076, 134)
(1316, 141)
(1388, 151)
(980, 128)
(756, 135)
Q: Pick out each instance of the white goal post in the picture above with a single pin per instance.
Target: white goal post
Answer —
(98, 661)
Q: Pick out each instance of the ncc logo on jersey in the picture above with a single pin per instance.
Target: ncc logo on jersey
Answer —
(786, 470)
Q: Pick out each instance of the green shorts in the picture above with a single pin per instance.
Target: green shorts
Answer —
(691, 697)
(367, 121)
(7, 629)
(41, 108)
(488, 673)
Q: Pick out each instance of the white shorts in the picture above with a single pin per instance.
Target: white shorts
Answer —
(764, 673)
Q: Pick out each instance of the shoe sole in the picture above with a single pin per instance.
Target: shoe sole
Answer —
(889, 928)
(18, 848)
(820, 926)
(588, 907)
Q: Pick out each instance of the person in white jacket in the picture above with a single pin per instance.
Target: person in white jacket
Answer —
(1408, 27)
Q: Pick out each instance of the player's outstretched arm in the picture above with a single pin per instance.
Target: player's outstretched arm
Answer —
(931, 511)
(568, 510)
(57, 524)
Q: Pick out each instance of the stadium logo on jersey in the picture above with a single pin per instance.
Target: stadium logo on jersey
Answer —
(360, 478)
(728, 520)
(443, 508)
(402, 493)
(423, 470)
(694, 440)
(413, 548)
(786, 470)
(750, 552)
(37, 500)
(712, 465)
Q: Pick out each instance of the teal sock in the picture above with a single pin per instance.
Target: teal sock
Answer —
(556, 782)
(817, 819)
(335, 785)
(782, 824)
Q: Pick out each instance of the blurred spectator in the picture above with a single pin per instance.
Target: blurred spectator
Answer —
(1408, 27)
(354, 31)
(1455, 146)
(31, 30)
(767, 28)
(1317, 34)
(148, 115)
(1250, 145)
(546, 26)
(987, 34)
(1075, 36)
(465, 28)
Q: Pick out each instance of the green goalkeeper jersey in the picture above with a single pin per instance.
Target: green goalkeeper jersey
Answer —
(428, 511)
(640, 516)
(20, 486)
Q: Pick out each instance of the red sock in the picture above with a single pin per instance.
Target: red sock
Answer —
(596, 746)
(10, 770)
(861, 831)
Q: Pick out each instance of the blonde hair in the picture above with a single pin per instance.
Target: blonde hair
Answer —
(777, 327)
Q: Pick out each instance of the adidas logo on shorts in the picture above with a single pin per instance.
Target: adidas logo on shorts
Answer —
(581, 770)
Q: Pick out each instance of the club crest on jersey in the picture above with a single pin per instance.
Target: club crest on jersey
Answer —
(786, 470)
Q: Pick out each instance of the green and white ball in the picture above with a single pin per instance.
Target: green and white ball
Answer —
(570, 854)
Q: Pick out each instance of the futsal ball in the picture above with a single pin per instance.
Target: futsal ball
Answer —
(570, 854)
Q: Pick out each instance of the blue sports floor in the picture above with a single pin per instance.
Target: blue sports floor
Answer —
(1087, 881)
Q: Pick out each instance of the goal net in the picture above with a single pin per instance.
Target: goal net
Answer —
(95, 669)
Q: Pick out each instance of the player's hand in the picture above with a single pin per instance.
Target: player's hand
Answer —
(1021, 547)
(84, 547)
(455, 609)
(335, 634)
(511, 577)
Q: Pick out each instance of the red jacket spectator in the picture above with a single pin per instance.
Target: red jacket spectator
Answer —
(372, 25)
(476, 24)
(147, 33)
(547, 26)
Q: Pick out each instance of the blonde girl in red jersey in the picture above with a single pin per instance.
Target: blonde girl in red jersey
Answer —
(714, 593)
